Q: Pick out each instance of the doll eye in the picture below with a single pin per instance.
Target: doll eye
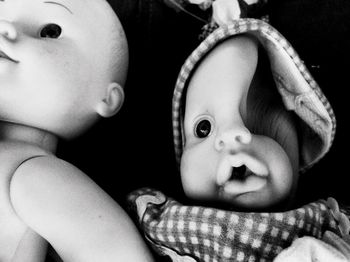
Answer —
(202, 128)
(51, 31)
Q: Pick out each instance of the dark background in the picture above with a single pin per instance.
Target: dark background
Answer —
(135, 149)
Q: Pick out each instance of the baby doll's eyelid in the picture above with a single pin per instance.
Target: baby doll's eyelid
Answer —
(201, 118)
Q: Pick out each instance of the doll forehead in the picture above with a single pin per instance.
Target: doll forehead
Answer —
(68, 6)
(55, 2)
(59, 4)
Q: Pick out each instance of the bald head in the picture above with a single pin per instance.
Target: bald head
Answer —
(106, 35)
(116, 46)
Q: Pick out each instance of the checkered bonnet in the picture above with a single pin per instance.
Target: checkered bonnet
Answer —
(299, 91)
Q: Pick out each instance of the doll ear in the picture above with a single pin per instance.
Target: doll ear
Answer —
(112, 102)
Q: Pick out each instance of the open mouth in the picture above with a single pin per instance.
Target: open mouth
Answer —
(240, 173)
(235, 178)
(242, 181)
(239, 167)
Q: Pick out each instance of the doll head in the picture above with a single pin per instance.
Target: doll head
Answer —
(238, 138)
(62, 64)
(241, 147)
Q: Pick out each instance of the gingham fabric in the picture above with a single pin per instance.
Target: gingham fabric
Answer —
(300, 93)
(208, 234)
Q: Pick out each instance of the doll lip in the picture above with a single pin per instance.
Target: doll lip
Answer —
(241, 174)
(235, 188)
(238, 167)
(3, 55)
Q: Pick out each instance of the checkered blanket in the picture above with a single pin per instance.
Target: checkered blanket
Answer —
(207, 234)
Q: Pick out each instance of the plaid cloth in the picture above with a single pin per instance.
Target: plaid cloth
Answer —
(208, 234)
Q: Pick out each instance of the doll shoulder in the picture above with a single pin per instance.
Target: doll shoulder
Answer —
(42, 184)
(73, 213)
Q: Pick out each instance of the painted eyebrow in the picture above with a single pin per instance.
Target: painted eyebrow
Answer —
(55, 3)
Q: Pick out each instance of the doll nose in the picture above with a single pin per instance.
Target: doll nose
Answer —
(233, 138)
(8, 30)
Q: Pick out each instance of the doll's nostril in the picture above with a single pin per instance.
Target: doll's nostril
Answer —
(8, 30)
(233, 138)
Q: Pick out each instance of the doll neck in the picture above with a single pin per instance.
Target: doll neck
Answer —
(17, 132)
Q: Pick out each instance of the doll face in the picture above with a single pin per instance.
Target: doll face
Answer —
(55, 58)
(239, 149)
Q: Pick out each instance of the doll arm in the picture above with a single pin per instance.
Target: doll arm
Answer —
(78, 218)
(32, 248)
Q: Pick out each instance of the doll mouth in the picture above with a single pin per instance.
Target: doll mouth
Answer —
(241, 176)
(242, 181)
(239, 167)
(3, 55)
(240, 173)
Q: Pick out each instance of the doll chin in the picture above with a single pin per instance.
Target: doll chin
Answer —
(258, 200)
